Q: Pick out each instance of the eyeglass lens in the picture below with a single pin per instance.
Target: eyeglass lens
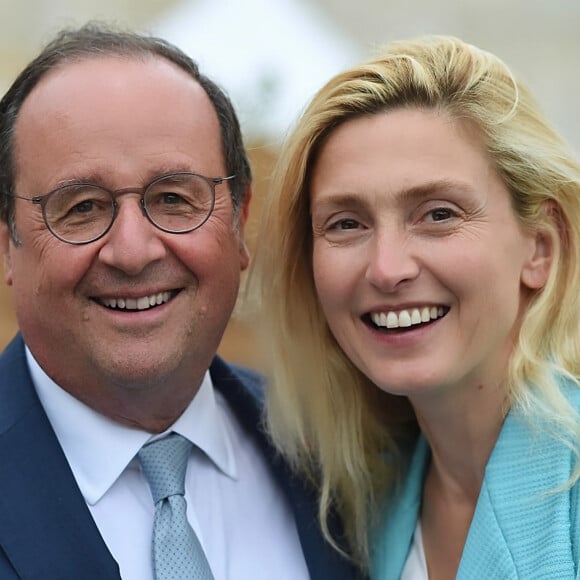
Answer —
(175, 203)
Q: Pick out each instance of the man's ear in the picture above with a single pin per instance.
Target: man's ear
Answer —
(536, 270)
(243, 213)
(5, 252)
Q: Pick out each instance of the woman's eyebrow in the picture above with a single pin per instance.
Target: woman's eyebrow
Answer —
(414, 193)
(434, 188)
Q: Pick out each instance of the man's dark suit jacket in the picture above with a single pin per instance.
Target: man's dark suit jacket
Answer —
(46, 529)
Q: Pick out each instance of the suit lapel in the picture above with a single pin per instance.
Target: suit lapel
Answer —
(244, 392)
(46, 529)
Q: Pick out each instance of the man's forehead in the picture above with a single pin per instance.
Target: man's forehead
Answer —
(108, 75)
(92, 111)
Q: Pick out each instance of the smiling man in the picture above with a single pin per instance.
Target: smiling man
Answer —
(124, 189)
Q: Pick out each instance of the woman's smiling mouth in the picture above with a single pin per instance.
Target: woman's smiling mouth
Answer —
(405, 318)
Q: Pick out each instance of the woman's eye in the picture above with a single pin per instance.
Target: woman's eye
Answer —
(345, 224)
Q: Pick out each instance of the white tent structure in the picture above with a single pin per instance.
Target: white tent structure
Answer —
(269, 55)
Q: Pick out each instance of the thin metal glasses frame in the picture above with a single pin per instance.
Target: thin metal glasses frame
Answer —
(42, 200)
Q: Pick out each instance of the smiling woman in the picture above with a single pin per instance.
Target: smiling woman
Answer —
(418, 280)
(427, 218)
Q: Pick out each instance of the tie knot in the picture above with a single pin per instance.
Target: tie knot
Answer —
(164, 463)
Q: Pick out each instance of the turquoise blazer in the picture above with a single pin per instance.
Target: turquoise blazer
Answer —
(520, 530)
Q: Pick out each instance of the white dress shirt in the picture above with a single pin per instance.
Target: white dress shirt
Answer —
(239, 514)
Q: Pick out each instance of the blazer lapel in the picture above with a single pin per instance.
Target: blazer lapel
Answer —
(396, 527)
(520, 529)
(46, 529)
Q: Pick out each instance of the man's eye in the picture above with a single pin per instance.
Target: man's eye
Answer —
(171, 198)
(84, 206)
(441, 214)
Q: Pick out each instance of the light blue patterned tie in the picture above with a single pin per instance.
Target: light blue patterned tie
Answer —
(177, 553)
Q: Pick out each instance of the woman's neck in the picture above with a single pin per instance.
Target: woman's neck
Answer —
(461, 428)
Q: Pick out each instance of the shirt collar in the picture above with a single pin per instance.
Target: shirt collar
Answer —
(99, 449)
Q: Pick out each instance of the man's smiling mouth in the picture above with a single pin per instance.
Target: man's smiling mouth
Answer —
(141, 303)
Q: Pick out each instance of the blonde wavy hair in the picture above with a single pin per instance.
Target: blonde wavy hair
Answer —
(332, 423)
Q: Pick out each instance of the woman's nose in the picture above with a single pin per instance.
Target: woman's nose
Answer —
(391, 261)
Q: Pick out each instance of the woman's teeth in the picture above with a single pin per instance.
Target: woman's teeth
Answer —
(406, 318)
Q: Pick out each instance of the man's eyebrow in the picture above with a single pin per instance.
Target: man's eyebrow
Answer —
(100, 177)
(88, 178)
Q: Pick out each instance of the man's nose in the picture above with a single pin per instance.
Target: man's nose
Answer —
(133, 241)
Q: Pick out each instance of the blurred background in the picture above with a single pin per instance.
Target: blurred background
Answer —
(272, 55)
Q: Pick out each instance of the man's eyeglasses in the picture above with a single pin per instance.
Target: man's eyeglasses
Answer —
(81, 213)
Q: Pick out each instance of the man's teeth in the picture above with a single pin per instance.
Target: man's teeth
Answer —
(406, 318)
(142, 303)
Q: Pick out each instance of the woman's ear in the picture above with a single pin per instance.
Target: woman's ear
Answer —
(543, 242)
